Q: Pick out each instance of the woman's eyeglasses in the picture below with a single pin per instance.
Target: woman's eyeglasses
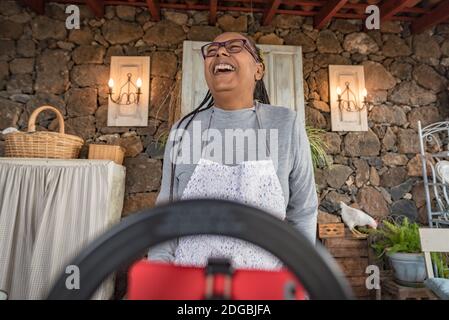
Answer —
(231, 46)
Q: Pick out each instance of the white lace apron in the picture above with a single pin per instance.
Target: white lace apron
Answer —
(253, 183)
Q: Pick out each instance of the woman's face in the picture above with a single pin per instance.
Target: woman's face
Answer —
(241, 80)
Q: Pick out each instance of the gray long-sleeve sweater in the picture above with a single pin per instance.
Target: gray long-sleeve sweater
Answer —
(291, 155)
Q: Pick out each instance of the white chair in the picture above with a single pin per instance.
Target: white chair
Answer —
(435, 137)
(435, 240)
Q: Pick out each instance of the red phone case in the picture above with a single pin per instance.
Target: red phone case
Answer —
(162, 281)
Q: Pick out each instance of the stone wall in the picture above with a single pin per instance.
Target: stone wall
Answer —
(42, 62)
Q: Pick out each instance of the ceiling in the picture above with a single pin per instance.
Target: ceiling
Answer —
(422, 14)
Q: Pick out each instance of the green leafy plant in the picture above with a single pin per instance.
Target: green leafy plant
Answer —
(441, 261)
(396, 236)
(317, 146)
(161, 139)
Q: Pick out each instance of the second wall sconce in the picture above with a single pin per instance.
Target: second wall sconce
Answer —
(348, 98)
(128, 93)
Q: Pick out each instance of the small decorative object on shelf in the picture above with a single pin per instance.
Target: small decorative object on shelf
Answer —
(108, 152)
(331, 230)
(43, 144)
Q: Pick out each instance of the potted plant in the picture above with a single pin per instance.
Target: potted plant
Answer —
(400, 242)
(317, 147)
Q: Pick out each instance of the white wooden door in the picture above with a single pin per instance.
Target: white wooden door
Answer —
(283, 78)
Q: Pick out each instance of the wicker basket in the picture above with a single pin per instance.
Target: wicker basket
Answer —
(108, 152)
(43, 144)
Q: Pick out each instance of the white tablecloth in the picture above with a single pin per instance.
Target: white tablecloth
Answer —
(49, 211)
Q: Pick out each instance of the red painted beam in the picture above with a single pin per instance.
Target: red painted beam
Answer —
(327, 12)
(37, 6)
(390, 8)
(436, 16)
(97, 7)
(351, 5)
(153, 6)
(213, 12)
(273, 5)
(206, 7)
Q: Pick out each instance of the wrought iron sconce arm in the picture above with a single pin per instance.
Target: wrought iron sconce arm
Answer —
(351, 103)
(130, 97)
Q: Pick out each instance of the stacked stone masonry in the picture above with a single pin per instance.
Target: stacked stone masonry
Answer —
(41, 62)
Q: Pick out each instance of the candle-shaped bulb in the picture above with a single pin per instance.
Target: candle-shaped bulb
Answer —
(111, 83)
(139, 82)
(339, 91)
(364, 93)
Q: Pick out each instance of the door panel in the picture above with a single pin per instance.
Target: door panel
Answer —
(283, 78)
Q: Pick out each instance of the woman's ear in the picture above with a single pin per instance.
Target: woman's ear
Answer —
(259, 72)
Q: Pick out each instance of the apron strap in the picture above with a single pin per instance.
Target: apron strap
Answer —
(267, 144)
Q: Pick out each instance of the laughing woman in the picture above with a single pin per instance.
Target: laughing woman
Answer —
(280, 182)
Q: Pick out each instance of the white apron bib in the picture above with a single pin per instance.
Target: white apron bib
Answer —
(254, 183)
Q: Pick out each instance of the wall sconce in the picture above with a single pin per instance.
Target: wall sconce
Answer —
(132, 93)
(348, 98)
(129, 91)
(349, 102)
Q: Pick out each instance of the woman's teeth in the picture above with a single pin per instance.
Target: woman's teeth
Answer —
(223, 67)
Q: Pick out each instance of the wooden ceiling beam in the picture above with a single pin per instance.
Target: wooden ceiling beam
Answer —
(270, 11)
(320, 3)
(428, 18)
(213, 12)
(438, 15)
(37, 6)
(327, 12)
(97, 7)
(155, 10)
(390, 8)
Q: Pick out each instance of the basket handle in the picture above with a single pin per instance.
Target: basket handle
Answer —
(35, 113)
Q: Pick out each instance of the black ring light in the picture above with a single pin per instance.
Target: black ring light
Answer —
(126, 242)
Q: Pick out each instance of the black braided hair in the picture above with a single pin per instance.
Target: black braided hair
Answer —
(260, 94)
(209, 102)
